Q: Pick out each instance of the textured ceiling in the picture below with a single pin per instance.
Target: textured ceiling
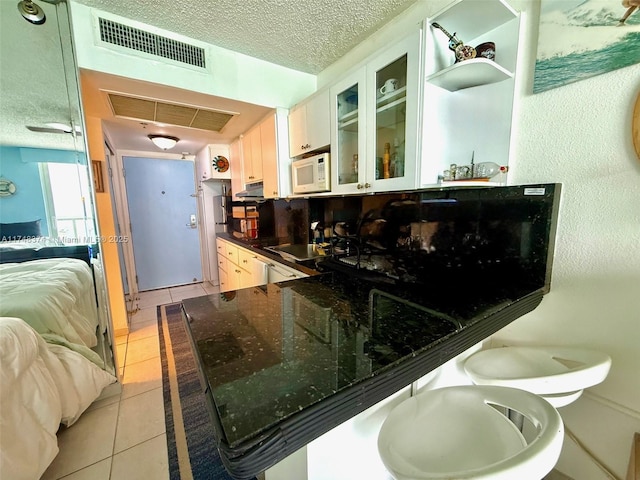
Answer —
(32, 79)
(306, 35)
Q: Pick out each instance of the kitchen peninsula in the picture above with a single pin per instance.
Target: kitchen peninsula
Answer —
(284, 363)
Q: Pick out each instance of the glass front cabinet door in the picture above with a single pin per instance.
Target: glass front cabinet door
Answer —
(393, 115)
(375, 122)
(348, 136)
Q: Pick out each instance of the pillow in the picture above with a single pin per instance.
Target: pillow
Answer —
(20, 230)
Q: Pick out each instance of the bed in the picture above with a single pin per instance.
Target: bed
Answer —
(52, 352)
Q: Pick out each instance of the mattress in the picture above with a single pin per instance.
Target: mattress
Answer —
(54, 296)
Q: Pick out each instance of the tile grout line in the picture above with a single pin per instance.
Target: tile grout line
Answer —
(113, 453)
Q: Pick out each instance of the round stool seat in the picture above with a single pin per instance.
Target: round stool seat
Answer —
(559, 374)
(455, 432)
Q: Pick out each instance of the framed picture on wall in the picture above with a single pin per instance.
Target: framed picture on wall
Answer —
(579, 39)
(98, 179)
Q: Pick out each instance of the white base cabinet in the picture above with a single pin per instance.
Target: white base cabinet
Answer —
(243, 268)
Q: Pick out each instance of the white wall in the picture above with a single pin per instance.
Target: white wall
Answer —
(578, 135)
(232, 75)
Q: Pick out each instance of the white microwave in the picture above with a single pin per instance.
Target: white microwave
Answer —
(311, 174)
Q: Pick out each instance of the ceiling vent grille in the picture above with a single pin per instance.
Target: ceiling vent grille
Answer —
(168, 113)
(136, 39)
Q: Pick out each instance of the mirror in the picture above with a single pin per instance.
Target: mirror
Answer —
(42, 146)
(45, 178)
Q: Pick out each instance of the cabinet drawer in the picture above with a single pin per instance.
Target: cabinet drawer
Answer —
(231, 253)
(222, 262)
(221, 247)
(245, 259)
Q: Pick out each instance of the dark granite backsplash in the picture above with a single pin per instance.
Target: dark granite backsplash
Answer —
(448, 236)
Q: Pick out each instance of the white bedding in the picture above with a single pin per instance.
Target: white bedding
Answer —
(41, 386)
(54, 295)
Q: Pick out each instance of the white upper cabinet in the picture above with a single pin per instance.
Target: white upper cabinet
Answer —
(252, 156)
(348, 138)
(309, 124)
(375, 122)
(276, 164)
(235, 159)
(264, 150)
(468, 105)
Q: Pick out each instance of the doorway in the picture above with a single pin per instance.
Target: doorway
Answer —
(163, 225)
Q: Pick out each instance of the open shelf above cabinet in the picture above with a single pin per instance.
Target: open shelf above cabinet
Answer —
(470, 19)
(469, 73)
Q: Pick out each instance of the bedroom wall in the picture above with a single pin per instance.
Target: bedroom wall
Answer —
(27, 204)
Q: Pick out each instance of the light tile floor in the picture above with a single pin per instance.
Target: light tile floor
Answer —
(123, 436)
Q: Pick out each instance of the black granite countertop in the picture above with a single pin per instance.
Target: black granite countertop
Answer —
(284, 363)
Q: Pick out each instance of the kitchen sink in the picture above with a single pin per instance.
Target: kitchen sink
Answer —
(298, 253)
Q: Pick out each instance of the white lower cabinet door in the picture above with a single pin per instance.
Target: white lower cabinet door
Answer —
(260, 272)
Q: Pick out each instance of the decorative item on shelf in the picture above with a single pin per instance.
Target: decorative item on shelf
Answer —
(397, 159)
(461, 51)
(486, 50)
(386, 161)
(355, 164)
(483, 171)
(486, 170)
(391, 85)
(220, 163)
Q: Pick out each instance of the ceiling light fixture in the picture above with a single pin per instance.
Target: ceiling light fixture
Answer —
(165, 142)
(31, 12)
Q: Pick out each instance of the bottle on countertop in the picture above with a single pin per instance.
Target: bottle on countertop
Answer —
(486, 170)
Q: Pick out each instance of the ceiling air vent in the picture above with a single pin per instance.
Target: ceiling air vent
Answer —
(170, 113)
(150, 43)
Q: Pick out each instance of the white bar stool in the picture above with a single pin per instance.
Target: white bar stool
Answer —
(558, 374)
(456, 433)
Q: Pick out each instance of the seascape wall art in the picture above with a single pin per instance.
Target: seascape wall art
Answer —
(579, 39)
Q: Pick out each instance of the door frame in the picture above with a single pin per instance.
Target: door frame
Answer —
(122, 211)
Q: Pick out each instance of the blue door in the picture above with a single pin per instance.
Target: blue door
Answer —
(162, 211)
